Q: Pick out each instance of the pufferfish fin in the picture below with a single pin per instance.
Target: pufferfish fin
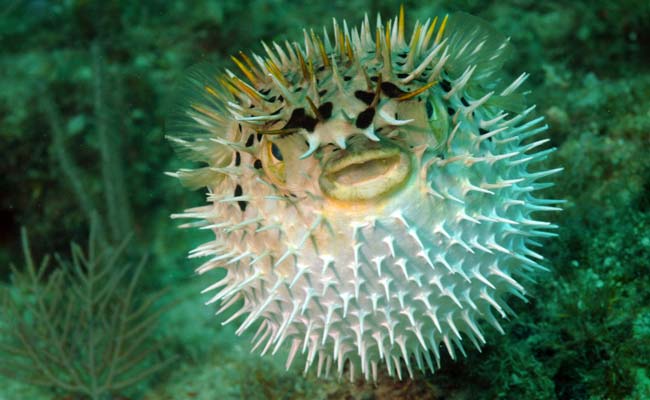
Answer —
(513, 102)
(200, 127)
(476, 53)
(195, 179)
(473, 42)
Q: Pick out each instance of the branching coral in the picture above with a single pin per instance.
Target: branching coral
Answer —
(80, 327)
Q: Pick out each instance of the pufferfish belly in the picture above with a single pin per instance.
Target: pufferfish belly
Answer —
(372, 198)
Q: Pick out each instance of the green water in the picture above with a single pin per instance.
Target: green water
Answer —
(86, 90)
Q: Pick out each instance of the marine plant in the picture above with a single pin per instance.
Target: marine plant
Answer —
(79, 327)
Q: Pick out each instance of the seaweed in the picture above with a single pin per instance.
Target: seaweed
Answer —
(79, 327)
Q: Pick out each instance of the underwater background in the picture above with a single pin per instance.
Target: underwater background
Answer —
(115, 311)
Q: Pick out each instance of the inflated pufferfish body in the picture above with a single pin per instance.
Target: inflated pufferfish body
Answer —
(370, 195)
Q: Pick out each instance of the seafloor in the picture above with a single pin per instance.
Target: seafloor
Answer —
(85, 89)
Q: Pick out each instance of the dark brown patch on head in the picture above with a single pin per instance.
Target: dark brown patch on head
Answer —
(325, 110)
(366, 97)
(391, 90)
(299, 119)
(364, 119)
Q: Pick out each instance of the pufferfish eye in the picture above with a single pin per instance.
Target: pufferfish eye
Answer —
(275, 152)
(438, 119)
(273, 163)
(429, 108)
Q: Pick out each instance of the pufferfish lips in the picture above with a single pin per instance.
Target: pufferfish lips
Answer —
(364, 171)
(373, 195)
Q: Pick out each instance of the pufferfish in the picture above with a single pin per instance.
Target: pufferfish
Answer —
(372, 196)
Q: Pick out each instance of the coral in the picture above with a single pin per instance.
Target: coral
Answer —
(81, 328)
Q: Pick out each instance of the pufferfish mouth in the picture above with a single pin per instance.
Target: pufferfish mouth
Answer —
(364, 175)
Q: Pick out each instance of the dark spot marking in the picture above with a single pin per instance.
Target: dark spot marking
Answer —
(271, 99)
(299, 119)
(325, 110)
(482, 132)
(364, 119)
(429, 107)
(250, 140)
(299, 88)
(403, 54)
(259, 137)
(450, 111)
(391, 90)
(275, 150)
(237, 159)
(400, 63)
(374, 78)
(347, 78)
(322, 92)
(239, 126)
(264, 92)
(465, 103)
(402, 75)
(280, 98)
(321, 68)
(366, 97)
(445, 85)
(242, 204)
(276, 112)
(257, 164)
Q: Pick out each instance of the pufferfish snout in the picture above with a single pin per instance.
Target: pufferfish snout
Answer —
(372, 197)
(366, 170)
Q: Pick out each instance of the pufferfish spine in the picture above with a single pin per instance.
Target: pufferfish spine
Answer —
(371, 196)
